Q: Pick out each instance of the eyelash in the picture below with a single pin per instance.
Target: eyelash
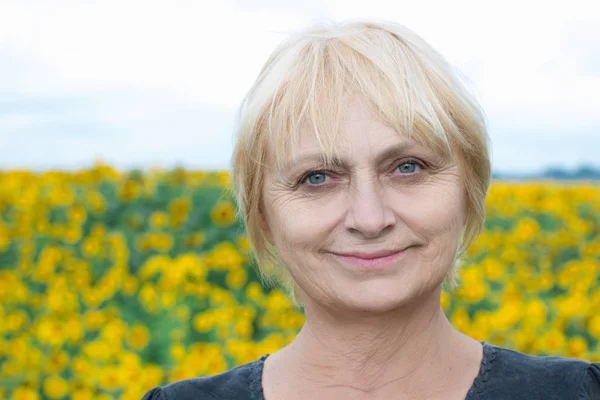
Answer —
(419, 163)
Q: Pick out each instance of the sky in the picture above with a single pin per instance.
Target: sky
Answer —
(140, 84)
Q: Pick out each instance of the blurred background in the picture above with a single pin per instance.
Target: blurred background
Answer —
(122, 265)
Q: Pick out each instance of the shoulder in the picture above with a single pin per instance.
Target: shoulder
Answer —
(590, 385)
(544, 377)
(241, 383)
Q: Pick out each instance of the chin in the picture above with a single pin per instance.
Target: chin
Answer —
(377, 297)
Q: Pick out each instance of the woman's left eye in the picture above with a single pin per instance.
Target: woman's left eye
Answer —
(408, 167)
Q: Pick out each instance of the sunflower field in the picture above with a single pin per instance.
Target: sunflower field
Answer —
(114, 282)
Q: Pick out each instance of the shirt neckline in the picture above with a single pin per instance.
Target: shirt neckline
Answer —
(485, 368)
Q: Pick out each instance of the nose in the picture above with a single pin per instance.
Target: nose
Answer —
(368, 212)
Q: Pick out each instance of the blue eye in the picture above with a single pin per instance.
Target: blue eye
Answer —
(410, 169)
(316, 178)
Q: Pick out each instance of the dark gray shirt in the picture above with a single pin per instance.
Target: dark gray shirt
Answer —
(504, 374)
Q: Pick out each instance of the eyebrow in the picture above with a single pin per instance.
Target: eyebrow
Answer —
(384, 155)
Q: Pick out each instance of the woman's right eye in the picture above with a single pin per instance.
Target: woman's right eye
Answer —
(316, 178)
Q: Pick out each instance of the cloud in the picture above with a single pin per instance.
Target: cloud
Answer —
(143, 83)
(534, 151)
(208, 52)
(129, 129)
(582, 43)
(307, 8)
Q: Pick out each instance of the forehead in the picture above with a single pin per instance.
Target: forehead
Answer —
(362, 134)
(354, 133)
(358, 124)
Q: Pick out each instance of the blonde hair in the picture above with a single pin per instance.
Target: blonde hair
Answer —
(307, 83)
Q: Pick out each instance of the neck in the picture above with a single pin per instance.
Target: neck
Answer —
(376, 352)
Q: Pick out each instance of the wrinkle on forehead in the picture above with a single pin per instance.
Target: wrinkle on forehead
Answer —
(333, 145)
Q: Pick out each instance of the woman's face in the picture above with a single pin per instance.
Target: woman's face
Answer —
(386, 197)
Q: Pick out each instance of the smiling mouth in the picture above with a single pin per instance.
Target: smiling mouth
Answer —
(372, 260)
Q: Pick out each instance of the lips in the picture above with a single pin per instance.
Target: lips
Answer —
(371, 261)
(369, 255)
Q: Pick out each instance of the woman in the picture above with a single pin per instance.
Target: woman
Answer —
(361, 170)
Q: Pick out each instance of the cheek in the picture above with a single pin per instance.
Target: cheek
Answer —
(435, 220)
(435, 214)
(303, 222)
